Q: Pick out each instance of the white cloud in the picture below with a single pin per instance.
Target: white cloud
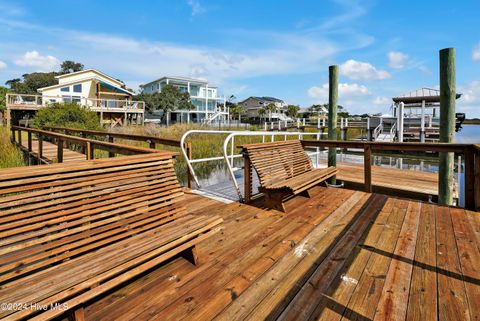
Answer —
(358, 70)
(2, 65)
(197, 8)
(476, 53)
(397, 59)
(381, 101)
(425, 70)
(345, 91)
(37, 61)
(469, 103)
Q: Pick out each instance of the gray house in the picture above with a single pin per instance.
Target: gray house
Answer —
(253, 104)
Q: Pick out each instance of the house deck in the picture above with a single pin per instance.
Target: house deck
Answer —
(341, 254)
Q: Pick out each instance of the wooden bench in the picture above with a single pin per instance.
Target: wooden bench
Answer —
(284, 170)
(70, 232)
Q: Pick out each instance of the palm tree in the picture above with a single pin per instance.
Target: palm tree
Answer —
(237, 109)
(292, 110)
(271, 108)
(262, 112)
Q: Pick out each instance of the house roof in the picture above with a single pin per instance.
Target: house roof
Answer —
(119, 82)
(265, 99)
(105, 84)
(178, 78)
(429, 95)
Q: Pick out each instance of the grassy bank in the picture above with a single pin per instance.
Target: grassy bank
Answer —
(10, 156)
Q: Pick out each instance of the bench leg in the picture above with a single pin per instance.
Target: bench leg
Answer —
(77, 314)
(191, 255)
(275, 201)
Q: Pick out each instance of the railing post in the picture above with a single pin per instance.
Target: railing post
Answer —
(29, 140)
(60, 151)
(110, 140)
(367, 164)
(188, 149)
(247, 178)
(13, 136)
(90, 151)
(19, 137)
(40, 149)
(469, 181)
(151, 144)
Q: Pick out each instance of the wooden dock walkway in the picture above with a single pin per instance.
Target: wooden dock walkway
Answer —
(388, 180)
(341, 254)
(50, 152)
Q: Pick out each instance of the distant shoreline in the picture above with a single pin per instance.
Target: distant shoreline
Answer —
(471, 122)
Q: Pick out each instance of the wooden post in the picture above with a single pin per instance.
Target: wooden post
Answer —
(247, 178)
(332, 116)
(188, 149)
(477, 178)
(447, 124)
(422, 125)
(29, 140)
(89, 151)
(469, 182)
(151, 144)
(110, 140)
(19, 137)
(40, 149)
(12, 138)
(367, 164)
(60, 151)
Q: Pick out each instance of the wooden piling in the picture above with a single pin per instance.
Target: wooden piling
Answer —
(447, 124)
(332, 116)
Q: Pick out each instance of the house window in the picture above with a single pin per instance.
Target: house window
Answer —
(77, 88)
(65, 89)
(76, 99)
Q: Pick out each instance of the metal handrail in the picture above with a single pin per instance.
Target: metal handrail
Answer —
(229, 158)
(377, 131)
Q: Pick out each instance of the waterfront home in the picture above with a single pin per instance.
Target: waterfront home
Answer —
(91, 88)
(253, 104)
(208, 105)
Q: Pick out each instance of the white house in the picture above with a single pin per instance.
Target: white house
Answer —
(90, 88)
(208, 105)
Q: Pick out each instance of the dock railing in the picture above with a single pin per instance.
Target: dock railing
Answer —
(152, 141)
(229, 148)
(470, 153)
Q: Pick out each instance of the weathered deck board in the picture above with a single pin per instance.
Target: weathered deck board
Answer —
(340, 254)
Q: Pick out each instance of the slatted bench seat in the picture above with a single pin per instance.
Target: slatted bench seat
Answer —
(70, 232)
(284, 170)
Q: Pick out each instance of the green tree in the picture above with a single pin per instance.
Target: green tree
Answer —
(262, 112)
(3, 97)
(70, 115)
(270, 108)
(31, 82)
(292, 110)
(237, 110)
(170, 98)
(69, 66)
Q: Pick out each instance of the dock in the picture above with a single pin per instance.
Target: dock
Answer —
(342, 253)
(49, 153)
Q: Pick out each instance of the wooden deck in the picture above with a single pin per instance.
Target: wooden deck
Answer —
(341, 254)
(386, 179)
(50, 152)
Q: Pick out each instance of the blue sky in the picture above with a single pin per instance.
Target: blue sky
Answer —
(266, 48)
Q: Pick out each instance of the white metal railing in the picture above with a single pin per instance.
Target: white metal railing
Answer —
(377, 131)
(229, 155)
(93, 103)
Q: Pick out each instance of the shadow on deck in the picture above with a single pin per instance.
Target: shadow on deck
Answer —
(342, 253)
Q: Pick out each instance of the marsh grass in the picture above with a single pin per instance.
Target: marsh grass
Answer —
(10, 156)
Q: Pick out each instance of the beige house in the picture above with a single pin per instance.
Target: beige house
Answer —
(253, 104)
(90, 88)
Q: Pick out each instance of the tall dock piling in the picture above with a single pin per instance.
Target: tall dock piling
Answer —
(332, 116)
(447, 124)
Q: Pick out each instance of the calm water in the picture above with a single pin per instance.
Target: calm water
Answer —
(217, 171)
